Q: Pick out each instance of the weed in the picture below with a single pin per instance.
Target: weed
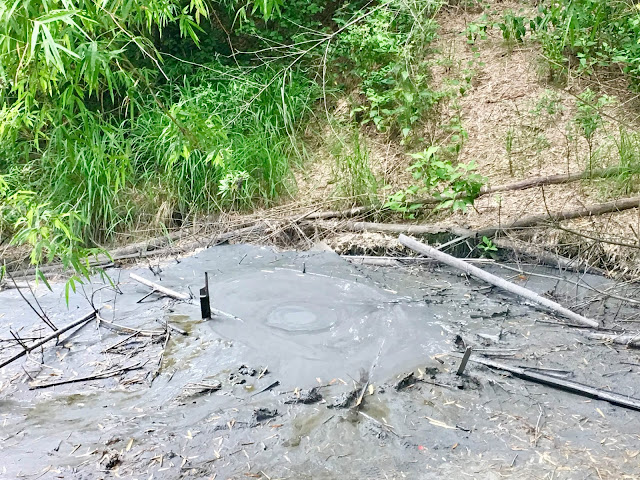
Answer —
(487, 247)
(477, 30)
(628, 149)
(455, 187)
(509, 149)
(355, 181)
(589, 35)
(385, 56)
(589, 119)
(513, 28)
(548, 106)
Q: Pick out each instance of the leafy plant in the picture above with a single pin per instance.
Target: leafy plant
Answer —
(477, 30)
(48, 233)
(589, 35)
(487, 247)
(384, 55)
(233, 187)
(513, 28)
(456, 187)
(628, 149)
(589, 119)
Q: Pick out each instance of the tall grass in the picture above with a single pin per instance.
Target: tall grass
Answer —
(180, 151)
(355, 182)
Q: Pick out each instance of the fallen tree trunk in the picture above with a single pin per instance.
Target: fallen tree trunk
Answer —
(589, 211)
(542, 181)
(50, 337)
(393, 228)
(568, 385)
(494, 280)
(558, 179)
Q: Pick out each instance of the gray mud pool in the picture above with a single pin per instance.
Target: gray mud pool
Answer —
(314, 368)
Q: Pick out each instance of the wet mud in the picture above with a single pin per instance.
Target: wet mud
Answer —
(321, 370)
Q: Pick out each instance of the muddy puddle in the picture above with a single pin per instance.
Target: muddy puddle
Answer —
(320, 369)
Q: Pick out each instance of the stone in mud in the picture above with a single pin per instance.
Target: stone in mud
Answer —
(406, 381)
(244, 370)
(262, 414)
(234, 380)
(111, 459)
(305, 397)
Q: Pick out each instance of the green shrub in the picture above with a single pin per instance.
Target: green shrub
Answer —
(384, 57)
(455, 187)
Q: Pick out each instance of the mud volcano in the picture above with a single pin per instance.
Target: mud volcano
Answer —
(318, 369)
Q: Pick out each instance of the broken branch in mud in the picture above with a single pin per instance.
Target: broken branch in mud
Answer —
(382, 261)
(127, 330)
(96, 376)
(391, 228)
(628, 340)
(42, 315)
(463, 362)
(164, 350)
(159, 288)
(544, 257)
(50, 337)
(495, 280)
(563, 384)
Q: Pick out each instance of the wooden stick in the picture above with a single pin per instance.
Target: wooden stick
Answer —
(557, 179)
(351, 226)
(463, 362)
(160, 288)
(128, 330)
(96, 376)
(494, 280)
(48, 338)
(630, 340)
(568, 385)
(589, 211)
(541, 181)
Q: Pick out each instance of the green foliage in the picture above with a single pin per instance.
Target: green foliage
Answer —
(628, 150)
(477, 30)
(456, 187)
(355, 182)
(513, 28)
(589, 35)
(233, 187)
(589, 118)
(47, 231)
(509, 148)
(384, 56)
(487, 247)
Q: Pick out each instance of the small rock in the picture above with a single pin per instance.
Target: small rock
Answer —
(262, 414)
(244, 370)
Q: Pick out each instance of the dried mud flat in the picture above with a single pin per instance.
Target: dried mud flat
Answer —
(271, 389)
